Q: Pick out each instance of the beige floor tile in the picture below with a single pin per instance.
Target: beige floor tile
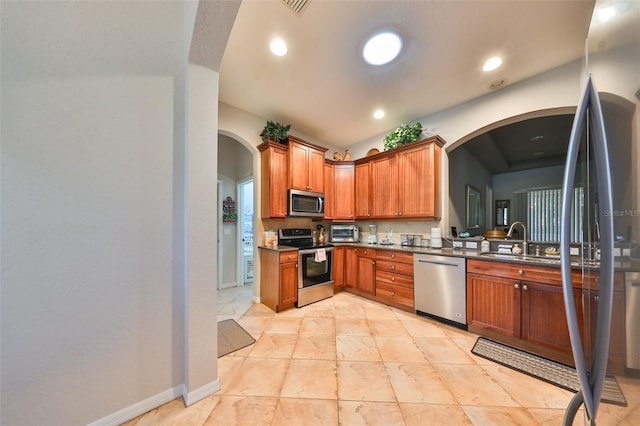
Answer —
(399, 349)
(421, 327)
(528, 391)
(228, 367)
(390, 328)
(321, 309)
(311, 379)
(244, 352)
(366, 413)
(292, 313)
(307, 412)
(418, 383)
(175, 413)
(434, 415)
(471, 385)
(349, 310)
(379, 312)
(318, 325)
(258, 309)
(492, 416)
(254, 324)
(284, 325)
(353, 326)
(243, 411)
(259, 377)
(357, 348)
(438, 350)
(274, 345)
(321, 346)
(364, 381)
(555, 417)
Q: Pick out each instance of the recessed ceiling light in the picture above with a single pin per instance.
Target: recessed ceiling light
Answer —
(492, 64)
(378, 114)
(382, 48)
(278, 47)
(606, 13)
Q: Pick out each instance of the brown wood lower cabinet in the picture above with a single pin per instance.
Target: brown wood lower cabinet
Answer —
(366, 278)
(278, 279)
(338, 268)
(394, 277)
(525, 305)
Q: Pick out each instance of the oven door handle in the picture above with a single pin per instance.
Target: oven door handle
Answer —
(313, 250)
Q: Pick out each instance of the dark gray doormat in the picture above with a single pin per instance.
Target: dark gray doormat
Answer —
(553, 372)
(232, 337)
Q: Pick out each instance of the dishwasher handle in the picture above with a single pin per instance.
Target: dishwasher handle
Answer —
(433, 262)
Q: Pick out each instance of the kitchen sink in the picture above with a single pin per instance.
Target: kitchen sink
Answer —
(555, 260)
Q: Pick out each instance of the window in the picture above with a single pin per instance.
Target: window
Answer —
(544, 213)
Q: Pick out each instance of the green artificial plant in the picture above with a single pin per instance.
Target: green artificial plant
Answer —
(404, 134)
(276, 132)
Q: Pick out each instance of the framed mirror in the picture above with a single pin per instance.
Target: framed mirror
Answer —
(473, 207)
(502, 212)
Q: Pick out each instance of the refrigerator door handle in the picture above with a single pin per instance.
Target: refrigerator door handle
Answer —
(591, 385)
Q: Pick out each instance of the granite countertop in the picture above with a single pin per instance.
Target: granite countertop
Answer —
(621, 264)
(278, 248)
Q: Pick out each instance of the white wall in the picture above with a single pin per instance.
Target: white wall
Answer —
(87, 214)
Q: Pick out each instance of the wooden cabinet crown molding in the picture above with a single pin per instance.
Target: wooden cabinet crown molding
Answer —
(437, 140)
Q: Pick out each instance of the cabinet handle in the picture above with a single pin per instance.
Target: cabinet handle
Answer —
(296, 266)
(368, 214)
(393, 292)
(393, 278)
(520, 271)
(525, 288)
(400, 214)
(393, 256)
(596, 298)
(290, 257)
(516, 285)
(373, 262)
(393, 266)
(365, 252)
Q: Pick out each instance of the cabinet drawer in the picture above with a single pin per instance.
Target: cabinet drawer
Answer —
(395, 278)
(366, 252)
(395, 267)
(395, 293)
(395, 256)
(288, 256)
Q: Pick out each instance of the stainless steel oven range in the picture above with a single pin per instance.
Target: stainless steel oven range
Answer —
(315, 265)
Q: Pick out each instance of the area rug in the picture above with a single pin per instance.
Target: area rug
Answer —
(553, 372)
(232, 337)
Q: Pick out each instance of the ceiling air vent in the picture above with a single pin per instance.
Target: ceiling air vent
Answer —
(296, 5)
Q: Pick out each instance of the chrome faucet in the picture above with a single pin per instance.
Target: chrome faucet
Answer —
(525, 244)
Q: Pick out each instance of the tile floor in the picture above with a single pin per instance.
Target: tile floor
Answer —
(350, 361)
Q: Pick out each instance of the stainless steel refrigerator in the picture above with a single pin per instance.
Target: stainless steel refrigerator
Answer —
(600, 205)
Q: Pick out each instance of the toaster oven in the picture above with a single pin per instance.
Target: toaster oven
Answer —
(344, 233)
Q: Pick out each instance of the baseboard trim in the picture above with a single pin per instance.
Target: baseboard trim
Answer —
(133, 411)
(201, 393)
(256, 299)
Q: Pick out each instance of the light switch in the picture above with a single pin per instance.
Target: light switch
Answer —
(227, 231)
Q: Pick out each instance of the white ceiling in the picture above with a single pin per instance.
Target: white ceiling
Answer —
(324, 89)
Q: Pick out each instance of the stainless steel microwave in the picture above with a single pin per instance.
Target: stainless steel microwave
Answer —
(305, 203)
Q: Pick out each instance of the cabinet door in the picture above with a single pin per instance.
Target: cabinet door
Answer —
(617, 344)
(384, 178)
(366, 275)
(493, 303)
(288, 283)
(338, 268)
(274, 183)
(544, 319)
(344, 206)
(418, 182)
(350, 268)
(298, 167)
(362, 190)
(315, 164)
(329, 194)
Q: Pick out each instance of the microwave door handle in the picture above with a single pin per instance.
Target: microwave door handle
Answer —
(320, 201)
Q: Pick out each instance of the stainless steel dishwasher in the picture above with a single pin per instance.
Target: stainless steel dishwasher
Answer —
(440, 287)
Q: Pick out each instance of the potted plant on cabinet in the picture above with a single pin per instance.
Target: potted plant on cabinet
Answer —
(406, 133)
(276, 132)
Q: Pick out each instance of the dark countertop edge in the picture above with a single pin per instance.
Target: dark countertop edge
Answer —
(278, 248)
(619, 265)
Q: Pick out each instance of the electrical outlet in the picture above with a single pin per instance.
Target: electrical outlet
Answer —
(457, 244)
(574, 251)
(616, 251)
(626, 252)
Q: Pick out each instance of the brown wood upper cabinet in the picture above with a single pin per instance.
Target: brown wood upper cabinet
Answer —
(404, 182)
(344, 195)
(306, 165)
(273, 191)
